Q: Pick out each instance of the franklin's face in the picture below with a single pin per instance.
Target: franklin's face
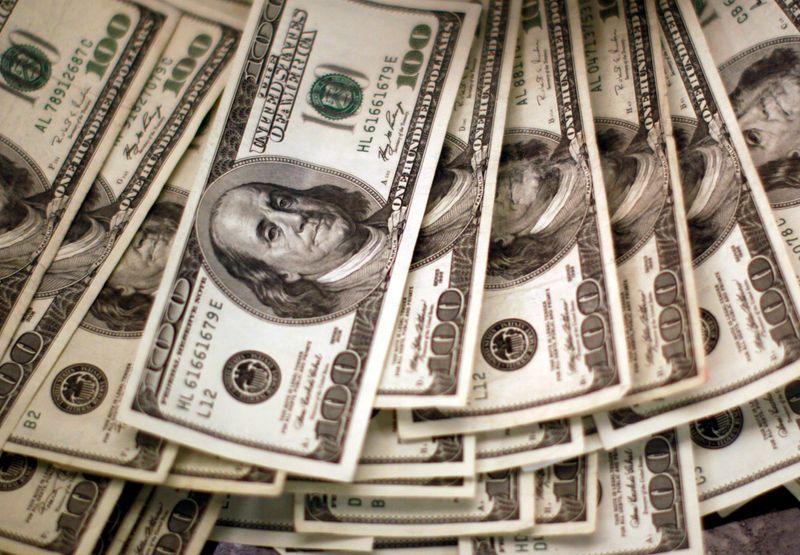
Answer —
(143, 262)
(519, 201)
(295, 234)
(769, 116)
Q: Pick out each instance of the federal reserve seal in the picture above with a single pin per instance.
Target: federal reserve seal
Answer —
(25, 68)
(709, 329)
(79, 388)
(251, 377)
(509, 344)
(15, 471)
(718, 431)
(336, 96)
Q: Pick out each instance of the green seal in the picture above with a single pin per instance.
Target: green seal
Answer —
(336, 96)
(25, 67)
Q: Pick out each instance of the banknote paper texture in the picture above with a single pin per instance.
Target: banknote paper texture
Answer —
(67, 84)
(648, 505)
(591, 439)
(757, 52)
(763, 439)
(166, 520)
(416, 546)
(566, 497)
(456, 486)
(301, 231)
(640, 171)
(203, 472)
(48, 509)
(533, 444)
(746, 288)
(503, 501)
(551, 336)
(431, 354)
(270, 522)
(386, 456)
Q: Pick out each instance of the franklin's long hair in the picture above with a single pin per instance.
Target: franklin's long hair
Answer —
(128, 312)
(16, 185)
(523, 255)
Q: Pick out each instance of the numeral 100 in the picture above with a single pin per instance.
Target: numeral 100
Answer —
(186, 65)
(107, 47)
(413, 59)
(662, 490)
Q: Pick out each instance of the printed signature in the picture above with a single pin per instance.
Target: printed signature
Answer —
(393, 144)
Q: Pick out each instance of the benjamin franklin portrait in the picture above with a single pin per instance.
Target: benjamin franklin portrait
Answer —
(450, 204)
(540, 202)
(710, 187)
(764, 88)
(84, 244)
(636, 187)
(301, 251)
(23, 221)
(124, 302)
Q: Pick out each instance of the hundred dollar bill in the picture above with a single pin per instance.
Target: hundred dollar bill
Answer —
(552, 342)
(120, 520)
(648, 505)
(270, 522)
(166, 520)
(47, 509)
(386, 456)
(763, 439)
(503, 502)
(645, 202)
(455, 486)
(301, 231)
(79, 288)
(757, 51)
(106, 341)
(431, 354)
(566, 497)
(532, 444)
(591, 443)
(395, 546)
(67, 83)
(591, 439)
(416, 546)
(203, 472)
(746, 288)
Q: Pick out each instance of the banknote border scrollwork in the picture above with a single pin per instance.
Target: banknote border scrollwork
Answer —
(105, 107)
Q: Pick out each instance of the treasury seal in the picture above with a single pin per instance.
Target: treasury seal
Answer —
(251, 377)
(709, 329)
(79, 388)
(25, 67)
(509, 344)
(718, 431)
(336, 96)
(15, 471)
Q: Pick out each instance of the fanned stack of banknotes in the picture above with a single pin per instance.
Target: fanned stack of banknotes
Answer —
(411, 276)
